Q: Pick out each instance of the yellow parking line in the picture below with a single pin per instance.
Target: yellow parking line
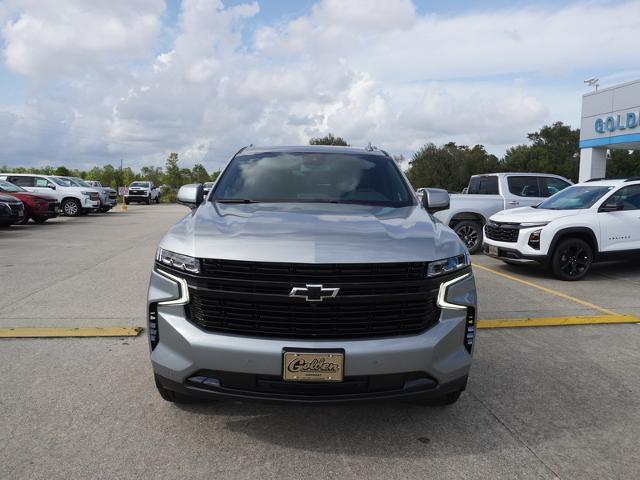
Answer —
(548, 290)
(57, 332)
(557, 321)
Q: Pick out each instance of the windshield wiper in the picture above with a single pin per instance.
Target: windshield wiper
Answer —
(235, 200)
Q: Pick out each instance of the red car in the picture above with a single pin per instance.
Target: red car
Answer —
(38, 207)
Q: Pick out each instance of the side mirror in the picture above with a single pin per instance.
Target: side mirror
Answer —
(611, 206)
(465, 190)
(51, 186)
(435, 199)
(191, 195)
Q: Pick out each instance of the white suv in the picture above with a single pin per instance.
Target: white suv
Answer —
(587, 222)
(73, 200)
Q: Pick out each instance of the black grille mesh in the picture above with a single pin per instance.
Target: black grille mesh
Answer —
(500, 233)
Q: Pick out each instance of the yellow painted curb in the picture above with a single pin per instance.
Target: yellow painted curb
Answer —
(557, 321)
(59, 332)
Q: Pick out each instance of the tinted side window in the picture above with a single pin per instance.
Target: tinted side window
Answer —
(524, 186)
(484, 185)
(550, 186)
(628, 196)
(22, 181)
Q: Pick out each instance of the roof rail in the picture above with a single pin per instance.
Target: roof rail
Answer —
(373, 148)
(595, 180)
(632, 179)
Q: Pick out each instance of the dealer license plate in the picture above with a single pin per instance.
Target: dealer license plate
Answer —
(313, 366)
(493, 250)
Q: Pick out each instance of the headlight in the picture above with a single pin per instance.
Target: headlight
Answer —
(533, 224)
(448, 265)
(534, 239)
(175, 260)
(87, 193)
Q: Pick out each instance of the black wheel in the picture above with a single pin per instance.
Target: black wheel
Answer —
(148, 200)
(158, 199)
(572, 259)
(470, 233)
(71, 207)
(24, 220)
(39, 219)
(126, 201)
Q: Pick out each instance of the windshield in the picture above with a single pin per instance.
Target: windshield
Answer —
(575, 198)
(139, 184)
(79, 182)
(314, 177)
(10, 187)
(63, 182)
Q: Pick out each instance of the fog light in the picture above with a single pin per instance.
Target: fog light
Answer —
(154, 336)
(470, 329)
(534, 239)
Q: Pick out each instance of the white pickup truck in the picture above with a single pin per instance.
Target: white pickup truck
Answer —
(491, 193)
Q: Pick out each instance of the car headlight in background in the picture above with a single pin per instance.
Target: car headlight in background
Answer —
(176, 260)
(448, 265)
(88, 194)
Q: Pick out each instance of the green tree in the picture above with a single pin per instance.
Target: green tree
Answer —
(62, 171)
(214, 176)
(199, 173)
(329, 139)
(553, 149)
(152, 174)
(623, 164)
(449, 166)
(172, 171)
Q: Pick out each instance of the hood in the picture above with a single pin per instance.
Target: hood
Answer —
(530, 214)
(311, 233)
(33, 196)
(5, 197)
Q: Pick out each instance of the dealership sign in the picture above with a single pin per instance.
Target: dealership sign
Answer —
(620, 121)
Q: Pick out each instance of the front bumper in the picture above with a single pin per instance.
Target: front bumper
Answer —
(437, 357)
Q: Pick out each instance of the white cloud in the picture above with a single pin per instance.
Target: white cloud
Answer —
(111, 81)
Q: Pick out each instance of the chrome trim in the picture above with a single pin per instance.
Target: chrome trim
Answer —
(442, 294)
(183, 299)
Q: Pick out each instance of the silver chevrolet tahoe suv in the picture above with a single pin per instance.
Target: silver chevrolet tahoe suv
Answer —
(311, 275)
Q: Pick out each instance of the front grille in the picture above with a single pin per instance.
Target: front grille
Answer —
(502, 232)
(113, 195)
(16, 209)
(137, 192)
(252, 299)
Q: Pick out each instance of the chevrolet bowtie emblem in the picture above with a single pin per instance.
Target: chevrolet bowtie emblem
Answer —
(313, 293)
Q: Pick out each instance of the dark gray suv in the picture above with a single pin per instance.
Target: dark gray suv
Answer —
(312, 275)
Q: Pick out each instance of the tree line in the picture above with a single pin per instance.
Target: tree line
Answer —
(552, 149)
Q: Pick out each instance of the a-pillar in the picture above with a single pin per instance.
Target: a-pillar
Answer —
(593, 163)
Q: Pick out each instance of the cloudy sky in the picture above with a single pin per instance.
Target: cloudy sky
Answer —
(84, 82)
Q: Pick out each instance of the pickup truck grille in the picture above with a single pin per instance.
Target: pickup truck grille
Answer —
(501, 233)
(137, 192)
(252, 299)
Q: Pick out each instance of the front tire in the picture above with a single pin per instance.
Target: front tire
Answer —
(157, 199)
(71, 207)
(126, 201)
(470, 232)
(572, 259)
(148, 200)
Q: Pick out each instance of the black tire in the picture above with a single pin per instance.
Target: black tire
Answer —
(148, 200)
(40, 219)
(470, 232)
(571, 259)
(157, 199)
(71, 207)
(126, 201)
(24, 220)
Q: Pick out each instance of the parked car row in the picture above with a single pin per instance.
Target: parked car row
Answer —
(529, 217)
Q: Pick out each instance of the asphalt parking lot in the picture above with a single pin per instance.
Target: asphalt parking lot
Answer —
(549, 402)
